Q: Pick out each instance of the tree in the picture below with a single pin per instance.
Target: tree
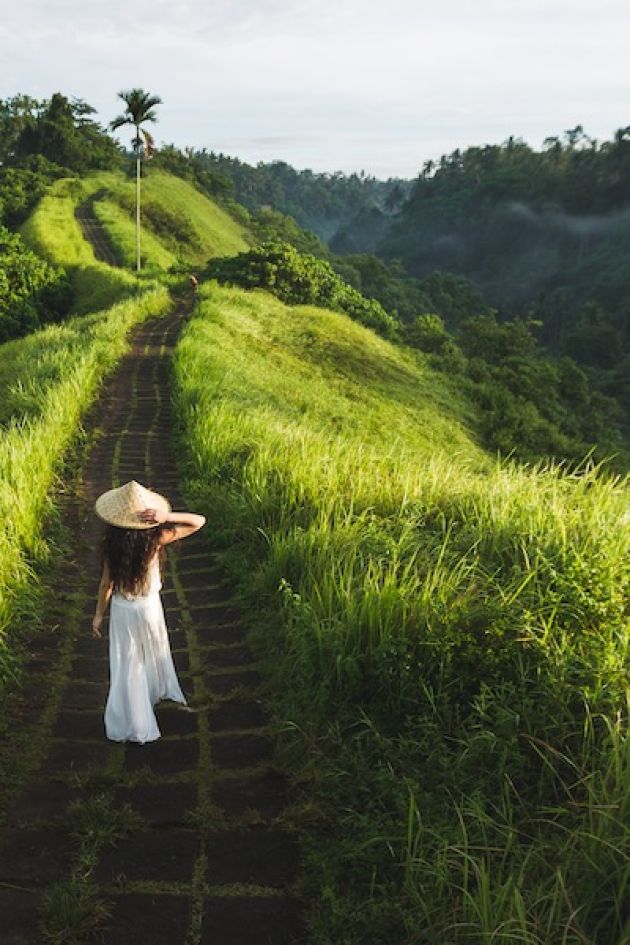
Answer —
(140, 108)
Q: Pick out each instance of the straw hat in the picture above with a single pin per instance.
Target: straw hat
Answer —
(122, 506)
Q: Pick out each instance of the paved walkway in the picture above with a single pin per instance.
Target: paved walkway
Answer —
(212, 857)
(94, 232)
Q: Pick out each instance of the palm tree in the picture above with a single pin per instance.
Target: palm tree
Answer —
(140, 107)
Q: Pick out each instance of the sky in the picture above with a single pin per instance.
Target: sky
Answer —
(333, 85)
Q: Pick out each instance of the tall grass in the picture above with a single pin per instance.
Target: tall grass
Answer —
(41, 413)
(448, 634)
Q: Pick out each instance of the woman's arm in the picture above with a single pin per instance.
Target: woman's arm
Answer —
(105, 589)
(184, 523)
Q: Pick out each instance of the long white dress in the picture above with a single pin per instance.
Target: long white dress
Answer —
(141, 667)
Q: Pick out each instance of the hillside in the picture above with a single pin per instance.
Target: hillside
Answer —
(444, 635)
(181, 228)
(441, 633)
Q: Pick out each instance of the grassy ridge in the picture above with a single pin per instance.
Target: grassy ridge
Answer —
(449, 637)
(53, 232)
(41, 413)
(180, 226)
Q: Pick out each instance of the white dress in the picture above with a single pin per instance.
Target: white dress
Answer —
(141, 667)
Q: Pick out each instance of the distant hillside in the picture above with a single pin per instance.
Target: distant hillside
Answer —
(324, 203)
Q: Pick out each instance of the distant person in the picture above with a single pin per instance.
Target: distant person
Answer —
(194, 282)
(139, 524)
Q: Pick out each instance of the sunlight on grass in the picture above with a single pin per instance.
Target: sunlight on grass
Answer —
(447, 634)
(41, 412)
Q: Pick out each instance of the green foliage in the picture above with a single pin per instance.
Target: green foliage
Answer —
(169, 226)
(321, 203)
(22, 187)
(529, 405)
(429, 334)
(31, 291)
(61, 131)
(271, 226)
(447, 637)
(299, 279)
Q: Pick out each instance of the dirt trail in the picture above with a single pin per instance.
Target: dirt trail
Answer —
(215, 860)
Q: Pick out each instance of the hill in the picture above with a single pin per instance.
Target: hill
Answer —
(443, 632)
(443, 635)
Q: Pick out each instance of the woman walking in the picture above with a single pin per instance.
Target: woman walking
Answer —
(139, 524)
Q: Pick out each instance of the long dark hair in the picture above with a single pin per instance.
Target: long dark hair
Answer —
(128, 551)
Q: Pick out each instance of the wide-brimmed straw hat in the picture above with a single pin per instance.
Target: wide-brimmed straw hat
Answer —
(122, 506)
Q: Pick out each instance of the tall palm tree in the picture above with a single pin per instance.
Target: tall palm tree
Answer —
(140, 107)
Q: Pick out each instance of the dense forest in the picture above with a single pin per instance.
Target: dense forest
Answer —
(323, 203)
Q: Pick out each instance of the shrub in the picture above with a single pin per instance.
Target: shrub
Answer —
(300, 279)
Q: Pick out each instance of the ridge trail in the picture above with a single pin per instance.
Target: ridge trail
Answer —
(94, 232)
(215, 859)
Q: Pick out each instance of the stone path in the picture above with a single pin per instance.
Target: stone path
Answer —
(208, 853)
(94, 232)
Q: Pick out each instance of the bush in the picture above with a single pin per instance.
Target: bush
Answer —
(32, 292)
(300, 279)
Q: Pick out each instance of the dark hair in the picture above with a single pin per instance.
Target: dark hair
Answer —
(128, 551)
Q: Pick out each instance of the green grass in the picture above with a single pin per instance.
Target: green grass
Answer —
(447, 635)
(180, 226)
(41, 412)
(121, 230)
(53, 232)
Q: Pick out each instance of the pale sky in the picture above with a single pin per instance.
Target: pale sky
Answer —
(332, 84)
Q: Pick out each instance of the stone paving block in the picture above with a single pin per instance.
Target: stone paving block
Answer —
(228, 716)
(89, 646)
(165, 855)
(163, 757)
(225, 657)
(44, 800)
(209, 632)
(38, 856)
(245, 920)
(90, 668)
(77, 724)
(161, 805)
(144, 919)
(260, 855)
(169, 598)
(181, 660)
(176, 721)
(217, 596)
(33, 693)
(214, 613)
(19, 916)
(65, 757)
(228, 682)
(80, 695)
(177, 637)
(200, 580)
(240, 751)
(265, 793)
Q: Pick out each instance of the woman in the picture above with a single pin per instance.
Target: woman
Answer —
(140, 524)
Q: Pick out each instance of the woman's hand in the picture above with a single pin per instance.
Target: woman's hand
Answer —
(153, 515)
(96, 627)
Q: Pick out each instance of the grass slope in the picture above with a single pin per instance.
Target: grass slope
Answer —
(181, 226)
(447, 637)
(53, 232)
